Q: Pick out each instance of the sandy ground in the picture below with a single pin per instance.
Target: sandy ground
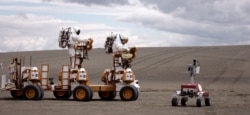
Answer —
(224, 73)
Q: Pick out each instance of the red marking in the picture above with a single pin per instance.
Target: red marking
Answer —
(192, 86)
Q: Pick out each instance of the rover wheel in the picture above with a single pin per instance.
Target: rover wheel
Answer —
(129, 93)
(62, 94)
(31, 92)
(207, 101)
(41, 91)
(82, 93)
(184, 101)
(198, 102)
(107, 95)
(16, 94)
(174, 101)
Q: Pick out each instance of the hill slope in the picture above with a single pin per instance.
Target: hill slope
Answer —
(158, 68)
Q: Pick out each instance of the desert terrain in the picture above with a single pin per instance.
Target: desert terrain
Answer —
(225, 73)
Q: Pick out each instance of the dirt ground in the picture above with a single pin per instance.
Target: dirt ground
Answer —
(224, 73)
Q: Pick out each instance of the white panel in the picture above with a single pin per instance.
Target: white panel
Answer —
(34, 75)
(65, 75)
(44, 75)
(65, 68)
(65, 82)
(198, 69)
(3, 81)
(82, 76)
(129, 77)
(45, 68)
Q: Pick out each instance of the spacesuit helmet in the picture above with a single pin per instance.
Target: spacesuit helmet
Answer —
(77, 29)
(123, 38)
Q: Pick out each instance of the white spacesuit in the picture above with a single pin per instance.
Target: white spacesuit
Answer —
(193, 70)
(120, 43)
(73, 40)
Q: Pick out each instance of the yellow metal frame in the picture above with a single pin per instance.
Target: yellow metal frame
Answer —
(44, 76)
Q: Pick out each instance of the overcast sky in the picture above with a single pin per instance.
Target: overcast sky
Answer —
(27, 25)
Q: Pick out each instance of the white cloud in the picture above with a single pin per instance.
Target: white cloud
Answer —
(24, 43)
(148, 23)
(222, 22)
(27, 32)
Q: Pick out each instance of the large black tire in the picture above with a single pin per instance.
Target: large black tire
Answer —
(207, 102)
(174, 101)
(16, 94)
(82, 93)
(62, 94)
(198, 102)
(184, 101)
(129, 93)
(32, 92)
(41, 91)
(107, 95)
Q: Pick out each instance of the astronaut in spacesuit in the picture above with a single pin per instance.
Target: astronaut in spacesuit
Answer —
(117, 44)
(73, 41)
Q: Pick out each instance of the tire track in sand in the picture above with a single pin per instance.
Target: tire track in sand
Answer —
(151, 56)
(163, 61)
(241, 71)
(235, 59)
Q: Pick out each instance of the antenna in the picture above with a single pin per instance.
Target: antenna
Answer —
(30, 61)
(23, 61)
(1, 66)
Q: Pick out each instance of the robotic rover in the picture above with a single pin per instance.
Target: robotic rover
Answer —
(191, 90)
(120, 77)
(30, 83)
(24, 82)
